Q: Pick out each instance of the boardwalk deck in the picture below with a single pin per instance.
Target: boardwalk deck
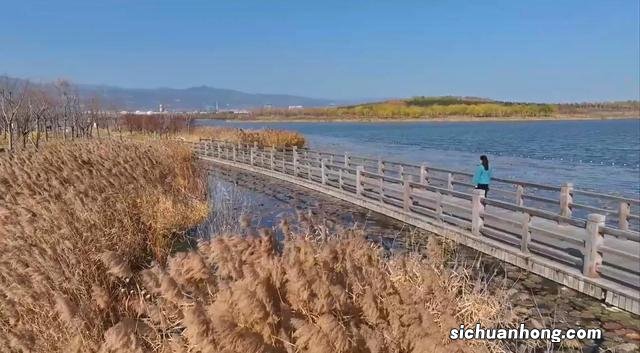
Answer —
(586, 255)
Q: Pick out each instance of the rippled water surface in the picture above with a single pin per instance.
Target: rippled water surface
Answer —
(596, 155)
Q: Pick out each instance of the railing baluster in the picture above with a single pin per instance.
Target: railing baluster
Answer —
(439, 207)
(566, 199)
(295, 161)
(253, 152)
(477, 211)
(272, 157)
(359, 170)
(593, 242)
(519, 193)
(623, 215)
(424, 175)
(323, 171)
(406, 194)
(526, 233)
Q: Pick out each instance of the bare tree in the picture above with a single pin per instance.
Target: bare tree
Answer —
(11, 102)
(40, 108)
(71, 111)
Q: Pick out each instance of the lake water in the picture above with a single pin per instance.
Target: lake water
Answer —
(602, 155)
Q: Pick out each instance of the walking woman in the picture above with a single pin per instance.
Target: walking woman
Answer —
(482, 176)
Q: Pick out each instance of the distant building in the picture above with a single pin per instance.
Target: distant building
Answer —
(295, 107)
(234, 111)
(161, 108)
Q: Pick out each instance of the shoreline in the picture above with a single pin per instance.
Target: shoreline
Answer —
(421, 120)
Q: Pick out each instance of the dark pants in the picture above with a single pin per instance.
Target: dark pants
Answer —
(484, 187)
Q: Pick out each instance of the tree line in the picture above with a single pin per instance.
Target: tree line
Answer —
(32, 113)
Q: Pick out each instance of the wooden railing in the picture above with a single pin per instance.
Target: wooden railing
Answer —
(513, 217)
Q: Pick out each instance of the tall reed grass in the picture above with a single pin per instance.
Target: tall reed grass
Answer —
(315, 293)
(86, 233)
(264, 138)
(77, 219)
(181, 126)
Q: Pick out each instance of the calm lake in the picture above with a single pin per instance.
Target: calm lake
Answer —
(601, 155)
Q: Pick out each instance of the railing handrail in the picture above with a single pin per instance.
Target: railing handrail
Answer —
(463, 173)
(510, 224)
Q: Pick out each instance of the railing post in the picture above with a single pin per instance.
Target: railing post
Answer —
(406, 193)
(623, 215)
(424, 175)
(525, 233)
(566, 200)
(359, 170)
(284, 160)
(219, 149)
(380, 167)
(346, 160)
(295, 161)
(439, 209)
(253, 153)
(477, 211)
(449, 181)
(400, 171)
(340, 181)
(519, 193)
(592, 244)
(323, 171)
(273, 156)
(309, 169)
(234, 153)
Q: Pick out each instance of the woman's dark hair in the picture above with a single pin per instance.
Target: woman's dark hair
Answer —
(485, 162)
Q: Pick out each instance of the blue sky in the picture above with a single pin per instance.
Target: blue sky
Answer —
(516, 50)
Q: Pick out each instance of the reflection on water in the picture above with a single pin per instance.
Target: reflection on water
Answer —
(594, 155)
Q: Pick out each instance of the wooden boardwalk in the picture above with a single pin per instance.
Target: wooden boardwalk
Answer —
(583, 251)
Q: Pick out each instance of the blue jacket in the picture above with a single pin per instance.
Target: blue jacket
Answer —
(482, 176)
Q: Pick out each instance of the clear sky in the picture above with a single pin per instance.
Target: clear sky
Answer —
(542, 50)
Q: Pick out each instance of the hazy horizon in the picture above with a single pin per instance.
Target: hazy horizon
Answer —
(542, 51)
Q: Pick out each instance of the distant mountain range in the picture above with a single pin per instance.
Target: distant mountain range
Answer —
(193, 98)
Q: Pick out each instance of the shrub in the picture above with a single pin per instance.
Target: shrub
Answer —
(264, 138)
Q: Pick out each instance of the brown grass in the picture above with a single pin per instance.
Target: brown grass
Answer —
(76, 221)
(85, 233)
(329, 294)
(141, 127)
(264, 138)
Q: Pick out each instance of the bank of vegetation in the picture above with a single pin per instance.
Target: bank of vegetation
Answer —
(180, 126)
(88, 233)
(454, 108)
(31, 115)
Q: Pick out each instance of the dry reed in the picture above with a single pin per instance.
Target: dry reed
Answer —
(86, 232)
(77, 220)
(263, 138)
